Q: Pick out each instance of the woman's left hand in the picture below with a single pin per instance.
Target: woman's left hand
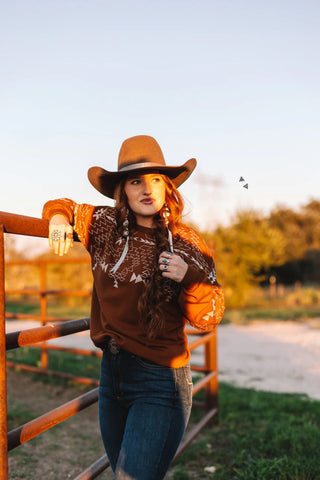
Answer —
(172, 266)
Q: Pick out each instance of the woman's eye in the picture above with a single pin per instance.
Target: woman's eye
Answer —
(135, 182)
(156, 179)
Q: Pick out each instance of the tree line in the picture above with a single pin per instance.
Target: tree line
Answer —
(284, 245)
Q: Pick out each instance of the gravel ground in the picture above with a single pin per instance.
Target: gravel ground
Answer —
(274, 356)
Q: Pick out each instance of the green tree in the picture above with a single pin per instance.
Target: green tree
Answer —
(301, 229)
(243, 249)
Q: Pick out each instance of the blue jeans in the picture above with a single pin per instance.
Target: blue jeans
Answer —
(143, 412)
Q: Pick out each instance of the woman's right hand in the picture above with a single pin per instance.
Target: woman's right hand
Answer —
(60, 234)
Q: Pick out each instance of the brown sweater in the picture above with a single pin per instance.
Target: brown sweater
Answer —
(198, 299)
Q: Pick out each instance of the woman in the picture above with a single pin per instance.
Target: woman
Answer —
(151, 274)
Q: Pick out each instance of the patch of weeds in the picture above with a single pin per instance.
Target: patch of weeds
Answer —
(17, 415)
(180, 474)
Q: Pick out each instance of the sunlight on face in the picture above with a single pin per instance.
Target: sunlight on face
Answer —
(146, 196)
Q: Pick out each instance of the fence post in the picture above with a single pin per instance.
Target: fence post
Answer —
(43, 310)
(211, 365)
(3, 373)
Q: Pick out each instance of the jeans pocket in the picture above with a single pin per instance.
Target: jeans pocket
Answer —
(184, 384)
(188, 376)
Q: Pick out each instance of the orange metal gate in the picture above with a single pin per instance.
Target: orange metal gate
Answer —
(17, 224)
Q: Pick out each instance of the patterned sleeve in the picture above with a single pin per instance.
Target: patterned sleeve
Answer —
(201, 298)
(78, 215)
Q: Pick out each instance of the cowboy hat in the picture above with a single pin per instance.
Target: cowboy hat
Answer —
(138, 154)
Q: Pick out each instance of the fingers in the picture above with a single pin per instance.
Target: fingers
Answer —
(166, 256)
(60, 238)
(69, 238)
(164, 260)
(172, 266)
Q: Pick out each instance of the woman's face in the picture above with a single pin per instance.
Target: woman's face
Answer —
(146, 196)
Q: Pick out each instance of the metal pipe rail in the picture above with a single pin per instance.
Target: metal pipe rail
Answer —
(26, 432)
(30, 336)
(18, 224)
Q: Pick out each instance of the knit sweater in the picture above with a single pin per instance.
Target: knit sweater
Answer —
(198, 299)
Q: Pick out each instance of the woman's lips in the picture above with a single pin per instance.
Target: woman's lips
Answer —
(147, 201)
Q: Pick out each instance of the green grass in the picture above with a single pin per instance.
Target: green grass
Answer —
(63, 311)
(260, 436)
(80, 365)
(17, 415)
(245, 315)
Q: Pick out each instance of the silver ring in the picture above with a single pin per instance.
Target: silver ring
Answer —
(165, 260)
(165, 267)
(55, 235)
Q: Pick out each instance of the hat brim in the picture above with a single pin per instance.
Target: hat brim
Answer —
(105, 182)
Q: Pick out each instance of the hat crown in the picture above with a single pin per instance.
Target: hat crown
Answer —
(140, 149)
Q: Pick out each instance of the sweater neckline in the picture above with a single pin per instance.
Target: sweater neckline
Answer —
(143, 229)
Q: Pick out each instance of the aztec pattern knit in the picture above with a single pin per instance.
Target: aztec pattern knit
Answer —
(198, 299)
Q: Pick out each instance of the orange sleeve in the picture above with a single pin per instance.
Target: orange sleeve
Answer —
(201, 298)
(78, 215)
(202, 305)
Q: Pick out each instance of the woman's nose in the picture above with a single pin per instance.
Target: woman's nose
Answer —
(147, 187)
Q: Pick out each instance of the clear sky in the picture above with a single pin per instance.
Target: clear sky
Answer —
(233, 83)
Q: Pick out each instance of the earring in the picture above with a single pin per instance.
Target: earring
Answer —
(166, 214)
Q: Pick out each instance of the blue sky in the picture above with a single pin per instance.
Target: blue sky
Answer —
(233, 83)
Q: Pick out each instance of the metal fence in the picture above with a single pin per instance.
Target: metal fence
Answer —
(22, 225)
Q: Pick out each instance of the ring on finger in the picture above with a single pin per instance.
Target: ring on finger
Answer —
(165, 267)
(68, 236)
(55, 235)
(165, 260)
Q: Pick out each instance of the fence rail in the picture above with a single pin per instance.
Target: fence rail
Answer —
(17, 224)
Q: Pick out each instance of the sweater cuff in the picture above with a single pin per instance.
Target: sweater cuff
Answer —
(52, 208)
(192, 276)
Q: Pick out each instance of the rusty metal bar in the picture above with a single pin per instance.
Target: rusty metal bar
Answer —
(37, 291)
(3, 373)
(197, 368)
(29, 430)
(77, 351)
(203, 382)
(43, 311)
(198, 404)
(57, 260)
(195, 431)
(44, 371)
(211, 389)
(204, 338)
(95, 469)
(39, 334)
(23, 225)
(192, 331)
